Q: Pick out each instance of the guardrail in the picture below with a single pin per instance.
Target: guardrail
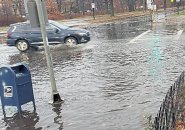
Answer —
(170, 108)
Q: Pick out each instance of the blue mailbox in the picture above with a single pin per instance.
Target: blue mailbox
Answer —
(16, 86)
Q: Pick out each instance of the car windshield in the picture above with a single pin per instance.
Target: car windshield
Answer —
(59, 25)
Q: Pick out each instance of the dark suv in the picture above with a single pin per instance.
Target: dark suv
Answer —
(23, 36)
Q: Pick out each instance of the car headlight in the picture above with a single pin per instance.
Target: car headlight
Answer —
(81, 34)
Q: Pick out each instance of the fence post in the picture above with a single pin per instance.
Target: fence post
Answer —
(169, 109)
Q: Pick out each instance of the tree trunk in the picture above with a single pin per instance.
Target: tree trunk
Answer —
(83, 8)
(122, 5)
(111, 8)
(131, 5)
(20, 7)
(107, 6)
(60, 6)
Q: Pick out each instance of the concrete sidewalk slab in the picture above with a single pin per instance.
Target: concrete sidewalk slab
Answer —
(74, 22)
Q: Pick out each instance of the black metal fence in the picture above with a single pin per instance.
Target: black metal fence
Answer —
(170, 108)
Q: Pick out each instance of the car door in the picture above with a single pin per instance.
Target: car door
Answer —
(52, 36)
(35, 36)
(58, 35)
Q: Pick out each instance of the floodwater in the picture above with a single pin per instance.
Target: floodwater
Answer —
(109, 83)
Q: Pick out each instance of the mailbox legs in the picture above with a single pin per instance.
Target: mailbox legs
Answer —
(34, 106)
(4, 112)
(19, 108)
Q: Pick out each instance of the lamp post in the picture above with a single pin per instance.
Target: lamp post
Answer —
(14, 9)
(178, 4)
(165, 9)
(93, 8)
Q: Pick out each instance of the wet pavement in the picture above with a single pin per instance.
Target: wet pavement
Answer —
(109, 83)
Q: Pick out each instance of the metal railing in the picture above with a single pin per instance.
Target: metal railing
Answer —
(170, 108)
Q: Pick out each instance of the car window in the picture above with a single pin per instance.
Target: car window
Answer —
(25, 27)
(38, 30)
(21, 27)
(11, 29)
(54, 27)
(50, 28)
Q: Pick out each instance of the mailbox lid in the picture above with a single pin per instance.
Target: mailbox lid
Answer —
(20, 69)
(22, 73)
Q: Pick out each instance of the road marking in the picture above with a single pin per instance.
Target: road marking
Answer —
(136, 38)
(178, 35)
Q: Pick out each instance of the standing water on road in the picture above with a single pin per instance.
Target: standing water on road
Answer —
(109, 83)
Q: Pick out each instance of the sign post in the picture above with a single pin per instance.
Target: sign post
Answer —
(93, 8)
(154, 8)
(178, 3)
(55, 94)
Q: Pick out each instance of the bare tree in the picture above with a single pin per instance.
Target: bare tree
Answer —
(107, 6)
(122, 5)
(59, 5)
(112, 7)
(131, 4)
(6, 7)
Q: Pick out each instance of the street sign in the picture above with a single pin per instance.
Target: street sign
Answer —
(93, 5)
(93, 9)
(177, 1)
(154, 8)
(149, 4)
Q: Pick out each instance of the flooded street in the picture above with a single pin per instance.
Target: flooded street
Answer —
(114, 82)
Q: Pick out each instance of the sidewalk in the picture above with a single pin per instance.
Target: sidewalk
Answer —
(100, 19)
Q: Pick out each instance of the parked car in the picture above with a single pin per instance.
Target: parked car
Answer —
(23, 36)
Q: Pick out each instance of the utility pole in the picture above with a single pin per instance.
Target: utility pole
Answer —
(55, 95)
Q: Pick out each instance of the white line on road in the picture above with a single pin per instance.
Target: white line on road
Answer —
(136, 38)
(178, 35)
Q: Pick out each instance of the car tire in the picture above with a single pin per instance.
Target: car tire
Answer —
(22, 45)
(71, 41)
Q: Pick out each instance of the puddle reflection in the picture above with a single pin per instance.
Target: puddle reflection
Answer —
(57, 108)
(121, 30)
(27, 121)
